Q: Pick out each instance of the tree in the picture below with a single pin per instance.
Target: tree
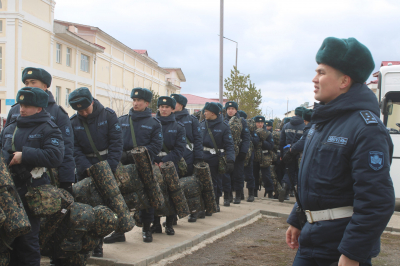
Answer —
(120, 101)
(153, 105)
(238, 88)
(277, 122)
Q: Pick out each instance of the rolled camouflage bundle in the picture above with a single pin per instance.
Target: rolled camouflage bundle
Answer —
(126, 175)
(77, 259)
(251, 124)
(106, 221)
(276, 136)
(144, 166)
(248, 154)
(137, 198)
(136, 217)
(89, 242)
(202, 172)
(4, 258)
(108, 189)
(168, 207)
(235, 123)
(262, 133)
(192, 188)
(174, 188)
(85, 191)
(3, 217)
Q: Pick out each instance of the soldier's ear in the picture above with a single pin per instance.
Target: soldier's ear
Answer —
(39, 110)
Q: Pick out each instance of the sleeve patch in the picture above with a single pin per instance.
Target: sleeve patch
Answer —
(375, 160)
(55, 142)
(368, 117)
(117, 127)
(110, 110)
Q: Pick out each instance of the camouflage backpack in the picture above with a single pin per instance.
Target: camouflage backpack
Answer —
(236, 126)
(43, 200)
(251, 125)
(248, 154)
(276, 136)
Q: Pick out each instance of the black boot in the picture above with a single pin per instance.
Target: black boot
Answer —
(115, 237)
(282, 192)
(168, 228)
(201, 215)
(59, 262)
(192, 218)
(217, 201)
(230, 197)
(146, 233)
(156, 227)
(270, 196)
(255, 193)
(227, 202)
(242, 197)
(98, 250)
(292, 193)
(251, 196)
(237, 197)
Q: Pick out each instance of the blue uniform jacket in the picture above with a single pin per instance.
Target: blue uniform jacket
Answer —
(245, 134)
(291, 132)
(174, 138)
(223, 138)
(106, 134)
(60, 117)
(193, 134)
(346, 162)
(147, 131)
(299, 145)
(267, 144)
(40, 141)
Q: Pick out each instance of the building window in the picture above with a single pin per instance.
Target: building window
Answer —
(69, 50)
(1, 4)
(85, 63)
(1, 63)
(58, 94)
(58, 55)
(67, 92)
(1, 25)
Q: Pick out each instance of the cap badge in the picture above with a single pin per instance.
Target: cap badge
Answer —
(21, 97)
(230, 103)
(136, 93)
(260, 119)
(79, 106)
(164, 100)
(29, 72)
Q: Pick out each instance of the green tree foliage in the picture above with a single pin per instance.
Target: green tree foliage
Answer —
(277, 122)
(238, 88)
(154, 99)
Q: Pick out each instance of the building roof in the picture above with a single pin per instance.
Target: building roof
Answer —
(385, 63)
(140, 51)
(178, 71)
(373, 82)
(194, 99)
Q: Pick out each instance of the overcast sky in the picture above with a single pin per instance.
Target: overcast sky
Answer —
(277, 40)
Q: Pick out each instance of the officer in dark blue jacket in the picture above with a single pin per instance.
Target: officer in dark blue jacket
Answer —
(174, 143)
(148, 134)
(235, 180)
(267, 145)
(299, 145)
(99, 124)
(291, 133)
(269, 125)
(194, 147)
(40, 78)
(31, 143)
(344, 173)
(221, 133)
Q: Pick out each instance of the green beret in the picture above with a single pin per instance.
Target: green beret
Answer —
(220, 106)
(80, 98)
(299, 111)
(179, 98)
(259, 118)
(307, 114)
(37, 73)
(142, 93)
(166, 100)
(32, 97)
(231, 104)
(286, 120)
(269, 123)
(242, 114)
(212, 107)
(349, 56)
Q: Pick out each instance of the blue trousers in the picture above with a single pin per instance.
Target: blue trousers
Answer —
(301, 260)
(227, 183)
(248, 173)
(265, 175)
(292, 172)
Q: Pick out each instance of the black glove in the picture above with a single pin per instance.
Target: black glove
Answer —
(241, 156)
(124, 158)
(157, 159)
(230, 165)
(21, 171)
(67, 186)
(196, 161)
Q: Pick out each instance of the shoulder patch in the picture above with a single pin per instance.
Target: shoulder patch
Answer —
(368, 117)
(110, 110)
(155, 118)
(52, 124)
(73, 116)
(194, 117)
(181, 124)
(62, 109)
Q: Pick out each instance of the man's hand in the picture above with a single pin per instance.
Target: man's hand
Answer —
(345, 261)
(17, 159)
(292, 236)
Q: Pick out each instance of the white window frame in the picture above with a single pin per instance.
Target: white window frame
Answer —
(85, 63)
(58, 53)
(58, 94)
(1, 63)
(67, 92)
(68, 59)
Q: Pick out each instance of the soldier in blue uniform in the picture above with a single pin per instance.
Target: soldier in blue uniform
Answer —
(98, 125)
(221, 133)
(291, 133)
(269, 125)
(267, 145)
(147, 133)
(344, 181)
(40, 78)
(30, 143)
(174, 143)
(235, 180)
(299, 145)
(194, 140)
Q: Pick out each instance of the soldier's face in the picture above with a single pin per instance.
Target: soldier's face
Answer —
(178, 107)
(35, 83)
(87, 111)
(165, 110)
(259, 124)
(209, 115)
(28, 110)
(139, 105)
(231, 111)
(329, 83)
(269, 127)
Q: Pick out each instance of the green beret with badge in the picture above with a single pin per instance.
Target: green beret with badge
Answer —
(307, 114)
(80, 99)
(37, 73)
(212, 107)
(259, 118)
(166, 100)
(33, 97)
(179, 98)
(142, 93)
(231, 104)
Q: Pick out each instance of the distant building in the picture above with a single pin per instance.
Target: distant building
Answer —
(196, 103)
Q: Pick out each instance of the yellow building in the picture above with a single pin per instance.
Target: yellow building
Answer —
(76, 56)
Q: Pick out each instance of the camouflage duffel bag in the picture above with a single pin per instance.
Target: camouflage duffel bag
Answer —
(202, 172)
(106, 221)
(43, 200)
(167, 208)
(4, 258)
(251, 124)
(192, 188)
(85, 191)
(77, 259)
(89, 242)
(248, 154)
(236, 126)
(262, 134)
(3, 217)
(258, 153)
(182, 167)
(82, 217)
(137, 219)
(126, 176)
(267, 159)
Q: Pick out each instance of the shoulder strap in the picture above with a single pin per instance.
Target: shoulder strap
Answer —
(132, 132)
(291, 144)
(165, 148)
(12, 141)
(91, 141)
(213, 140)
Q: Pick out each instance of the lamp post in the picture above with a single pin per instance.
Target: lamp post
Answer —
(221, 52)
(237, 49)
